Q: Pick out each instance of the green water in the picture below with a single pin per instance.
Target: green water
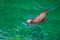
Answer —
(13, 16)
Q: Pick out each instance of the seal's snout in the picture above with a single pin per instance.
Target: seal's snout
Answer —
(29, 21)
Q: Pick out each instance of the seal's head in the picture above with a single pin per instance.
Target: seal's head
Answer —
(29, 21)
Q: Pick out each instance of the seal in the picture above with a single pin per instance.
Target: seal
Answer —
(40, 18)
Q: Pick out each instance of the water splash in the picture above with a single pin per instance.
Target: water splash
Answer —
(28, 25)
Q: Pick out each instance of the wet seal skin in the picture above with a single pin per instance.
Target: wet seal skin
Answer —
(39, 19)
